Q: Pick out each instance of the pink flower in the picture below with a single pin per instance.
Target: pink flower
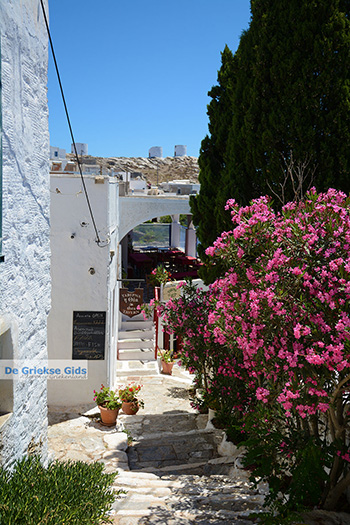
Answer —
(323, 407)
(314, 359)
(262, 394)
(297, 331)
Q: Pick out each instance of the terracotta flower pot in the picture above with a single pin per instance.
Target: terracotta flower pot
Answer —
(108, 416)
(167, 368)
(130, 408)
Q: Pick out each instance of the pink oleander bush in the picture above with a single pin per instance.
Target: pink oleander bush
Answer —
(270, 344)
(281, 314)
(187, 318)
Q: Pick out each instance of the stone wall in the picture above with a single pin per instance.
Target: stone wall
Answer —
(25, 274)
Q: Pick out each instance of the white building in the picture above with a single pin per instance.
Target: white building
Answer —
(82, 148)
(57, 153)
(25, 252)
(136, 183)
(84, 279)
(155, 151)
(180, 187)
(180, 151)
(86, 275)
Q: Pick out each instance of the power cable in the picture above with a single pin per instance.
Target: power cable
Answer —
(98, 240)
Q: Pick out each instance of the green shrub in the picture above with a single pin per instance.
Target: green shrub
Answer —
(69, 493)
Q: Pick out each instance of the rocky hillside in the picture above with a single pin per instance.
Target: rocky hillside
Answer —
(166, 169)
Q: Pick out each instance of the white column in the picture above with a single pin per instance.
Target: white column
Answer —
(191, 241)
(175, 231)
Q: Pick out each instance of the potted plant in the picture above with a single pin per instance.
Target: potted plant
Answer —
(167, 359)
(109, 405)
(128, 396)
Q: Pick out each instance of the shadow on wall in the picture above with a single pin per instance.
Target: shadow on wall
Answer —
(6, 385)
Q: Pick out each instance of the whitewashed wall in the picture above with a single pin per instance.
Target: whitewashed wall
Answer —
(25, 274)
(74, 286)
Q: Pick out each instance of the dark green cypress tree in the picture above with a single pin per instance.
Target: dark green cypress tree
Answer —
(299, 111)
(289, 107)
(239, 186)
(211, 159)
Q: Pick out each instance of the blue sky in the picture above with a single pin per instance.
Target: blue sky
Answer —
(136, 74)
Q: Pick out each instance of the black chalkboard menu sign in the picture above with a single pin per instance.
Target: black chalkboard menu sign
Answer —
(89, 332)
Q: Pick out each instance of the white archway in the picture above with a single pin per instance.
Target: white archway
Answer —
(136, 210)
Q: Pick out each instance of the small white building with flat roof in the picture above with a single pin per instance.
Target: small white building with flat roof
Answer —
(87, 273)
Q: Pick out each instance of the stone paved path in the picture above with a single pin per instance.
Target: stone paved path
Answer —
(175, 471)
(176, 476)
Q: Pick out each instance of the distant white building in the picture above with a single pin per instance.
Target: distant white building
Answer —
(135, 181)
(180, 187)
(25, 250)
(57, 153)
(82, 148)
(180, 151)
(155, 151)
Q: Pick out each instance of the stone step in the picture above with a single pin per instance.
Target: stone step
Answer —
(189, 517)
(180, 469)
(137, 501)
(227, 503)
(140, 484)
(235, 501)
(141, 367)
(135, 334)
(141, 477)
(135, 343)
(199, 469)
(207, 468)
(184, 484)
(136, 354)
(137, 325)
(217, 484)
(213, 467)
(187, 484)
(187, 433)
(174, 518)
(158, 451)
(154, 426)
(177, 476)
(138, 317)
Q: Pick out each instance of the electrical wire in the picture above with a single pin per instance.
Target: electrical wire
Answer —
(98, 240)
